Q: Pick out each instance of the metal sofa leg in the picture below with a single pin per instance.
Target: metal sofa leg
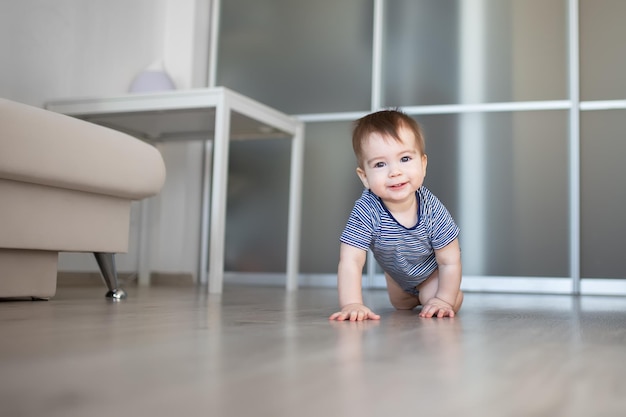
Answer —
(106, 262)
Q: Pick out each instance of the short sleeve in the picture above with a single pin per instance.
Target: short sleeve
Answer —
(443, 229)
(359, 229)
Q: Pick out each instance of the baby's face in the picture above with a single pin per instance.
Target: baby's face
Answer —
(392, 169)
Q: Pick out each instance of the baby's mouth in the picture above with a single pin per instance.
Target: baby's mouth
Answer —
(396, 186)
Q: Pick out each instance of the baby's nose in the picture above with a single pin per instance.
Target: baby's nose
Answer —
(394, 170)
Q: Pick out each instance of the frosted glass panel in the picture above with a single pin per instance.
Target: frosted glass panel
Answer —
(421, 52)
(442, 149)
(448, 52)
(503, 176)
(257, 212)
(602, 49)
(330, 188)
(603, 194)
(299, 56)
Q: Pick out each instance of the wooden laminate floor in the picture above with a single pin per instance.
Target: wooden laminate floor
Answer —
(257, 351)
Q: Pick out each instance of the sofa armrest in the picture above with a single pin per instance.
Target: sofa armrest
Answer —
(47, 148)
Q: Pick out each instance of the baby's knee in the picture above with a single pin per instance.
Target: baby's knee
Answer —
(400, 299)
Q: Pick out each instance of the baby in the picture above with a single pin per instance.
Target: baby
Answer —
(410, 232)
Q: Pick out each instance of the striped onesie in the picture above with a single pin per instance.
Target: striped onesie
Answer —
(406, 254)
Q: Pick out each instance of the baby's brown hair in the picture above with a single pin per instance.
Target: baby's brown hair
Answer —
(386, 123)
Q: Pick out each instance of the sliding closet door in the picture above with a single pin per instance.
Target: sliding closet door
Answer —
(522, 103)
(502, 171)
(299, 56)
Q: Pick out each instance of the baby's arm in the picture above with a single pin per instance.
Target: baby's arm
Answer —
(349, 276)
(446, 299)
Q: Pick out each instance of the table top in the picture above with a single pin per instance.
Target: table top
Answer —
(180, 114)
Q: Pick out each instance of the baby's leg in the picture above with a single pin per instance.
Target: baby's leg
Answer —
(399, 298)
(428, 289)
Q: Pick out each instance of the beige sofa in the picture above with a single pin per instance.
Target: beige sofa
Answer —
(66, 185)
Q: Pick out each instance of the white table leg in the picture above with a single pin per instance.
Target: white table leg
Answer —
(207, 165)
(295, 207)
(218, 197)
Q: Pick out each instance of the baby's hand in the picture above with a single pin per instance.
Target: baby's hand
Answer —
(436, 307)
(354, 312)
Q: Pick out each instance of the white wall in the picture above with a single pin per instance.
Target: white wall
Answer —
(76, 48)
(70, 48)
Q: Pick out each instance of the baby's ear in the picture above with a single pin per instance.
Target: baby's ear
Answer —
(362, 177)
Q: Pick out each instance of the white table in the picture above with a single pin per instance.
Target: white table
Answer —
(216, 114)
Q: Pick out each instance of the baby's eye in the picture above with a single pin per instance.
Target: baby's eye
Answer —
(405, 159)
(379, 165)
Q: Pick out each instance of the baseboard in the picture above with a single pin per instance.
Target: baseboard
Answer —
(92, 279)
(171, 279)
(533, 285)
(127, 279)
